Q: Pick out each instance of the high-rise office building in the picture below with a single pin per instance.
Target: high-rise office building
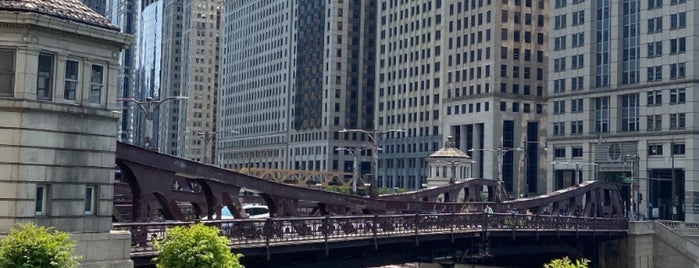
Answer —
(294, 74)
(622, 96)
(474, 70)
(124, 13)
(98, 6)
(190, 57)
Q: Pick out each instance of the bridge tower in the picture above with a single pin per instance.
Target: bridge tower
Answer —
(58, 72)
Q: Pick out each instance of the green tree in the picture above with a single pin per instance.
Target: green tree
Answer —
(196, 246)
(28, 246)
(567, 263)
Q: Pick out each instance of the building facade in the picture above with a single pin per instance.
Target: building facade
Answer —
(294, 74)
(59, 63)
(124, 13)
(622, 101)
(474, 70)
(190, 56)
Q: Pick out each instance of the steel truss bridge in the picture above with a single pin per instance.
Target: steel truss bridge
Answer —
(156, 191)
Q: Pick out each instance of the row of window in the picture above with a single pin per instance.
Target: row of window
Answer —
(630, 123)
(654, 149)
(677, 71)
(654, 98)
(47, 81)
(564, 3)
(42, 202)
(677, 46)
(659, 3)
(577, 40)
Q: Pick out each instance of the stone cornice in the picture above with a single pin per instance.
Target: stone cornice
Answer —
(19, 20)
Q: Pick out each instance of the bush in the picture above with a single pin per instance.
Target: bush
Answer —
(197, 246)
(29, 246)
(567, 263)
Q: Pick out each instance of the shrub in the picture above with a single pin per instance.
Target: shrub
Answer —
(29, 245)
(197, 246)
(567, 263)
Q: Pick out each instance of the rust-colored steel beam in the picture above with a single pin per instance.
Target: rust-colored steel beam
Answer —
(152, 172)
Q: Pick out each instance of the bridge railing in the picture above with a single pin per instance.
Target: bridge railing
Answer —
(252, 232)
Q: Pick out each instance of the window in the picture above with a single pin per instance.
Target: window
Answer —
(655, 73)
(655, 49)
(44, 83)
(576, 128)
(560, 22)
(559, 129)
(561, 3)
(577, 83)
(577, 152)
(90, 200)
(677, 96)
(655, 149)
(559, 43)
(7, 72)
(71, 81)
(577, 62)
(678, 45)
(559, 85)
(678, 21)
(629, 112)
(655, 97)
(559, 64)
(677, 121)
(655, 4)
(678, 148)
(601, 114)
(578, 39)
(654, 122)
(576, 105)
(677, 70)
(559, 107)
(96, 84)
(559, 152)
(579, 17)
(40, 201)
(655, 25)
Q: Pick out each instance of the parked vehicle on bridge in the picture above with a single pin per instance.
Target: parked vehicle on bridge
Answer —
(254, 211)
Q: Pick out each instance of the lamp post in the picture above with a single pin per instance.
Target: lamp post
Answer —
(373, 136)
(498, 153)
(148, 107)
(355, 171)
(633, 186)
(208, 136)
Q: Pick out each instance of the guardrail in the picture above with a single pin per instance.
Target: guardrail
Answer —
(266, 232)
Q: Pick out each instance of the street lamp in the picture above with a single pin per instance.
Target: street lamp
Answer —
(208, 136)
(633, 186)
(355, 171)
(148, 107)
(577, 166)
(499, 153)
(373, 136)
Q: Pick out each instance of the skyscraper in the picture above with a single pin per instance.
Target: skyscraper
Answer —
(474, 70)
(191, 59)
(294, 73)
(622, 89)
(98, 6)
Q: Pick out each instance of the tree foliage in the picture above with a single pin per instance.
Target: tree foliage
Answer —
(197, 246)
(567, 263)
(28, 246)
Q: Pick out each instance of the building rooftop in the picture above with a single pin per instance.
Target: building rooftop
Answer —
(73, 10)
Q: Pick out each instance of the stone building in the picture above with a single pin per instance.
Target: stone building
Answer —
(622, 101)
(58, 71)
